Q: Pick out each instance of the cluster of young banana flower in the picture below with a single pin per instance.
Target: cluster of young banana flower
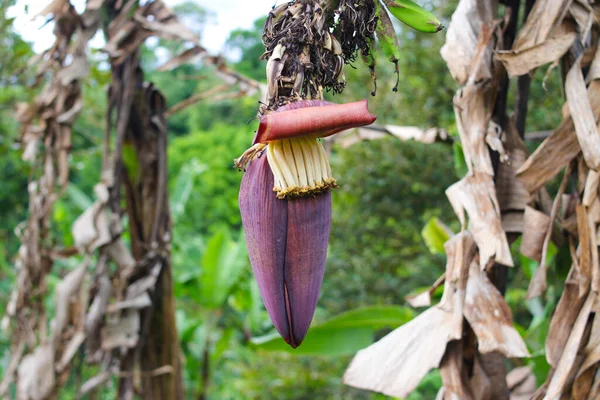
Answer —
(285, 198)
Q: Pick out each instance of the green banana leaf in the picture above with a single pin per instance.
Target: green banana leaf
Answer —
(182, 189)
(78, 197)
(435, 234)
(222, 263)
(344, 334)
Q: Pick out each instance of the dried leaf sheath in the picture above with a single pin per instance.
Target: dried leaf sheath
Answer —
(287, 246)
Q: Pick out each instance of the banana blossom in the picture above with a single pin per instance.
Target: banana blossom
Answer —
(285, 203)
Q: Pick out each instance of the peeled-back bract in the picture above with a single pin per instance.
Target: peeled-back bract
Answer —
(301, 119)
(287, 246)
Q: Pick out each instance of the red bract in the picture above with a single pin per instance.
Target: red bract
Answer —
(301, 118)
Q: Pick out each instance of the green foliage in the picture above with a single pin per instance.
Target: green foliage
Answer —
(203, 286)
(183, 187)
(221, 266)
(388, 190)
(247, 42)
(213, 202)
(344, 334)
(460, 164)
(435, 234)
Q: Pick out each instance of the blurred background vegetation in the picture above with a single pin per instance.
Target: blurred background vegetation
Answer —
(390, 190)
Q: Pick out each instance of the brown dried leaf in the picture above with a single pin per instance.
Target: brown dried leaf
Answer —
(414, 349)
(396, 364)
(521, 61)
(94, 4)
(55, 7)
(31, 141)
(582, 13)
(90, 230)
(423, 299)
(543, 18)
(590, 192)
(550, 157)
(512, 194)
(35, 379)
(94, 382)
(457, 384)
(121, 331)
(376, 132)
(164, 22)
(594, 71)
(583, 116)
(491, 318)
(65, 290)
(68, 116)
(78, 69)
(477, 195)
(521, 383)
(564, 317)
(472, 124)
(592, 349)
(144, 284)
(585, 250)
(121, 255)
(534, 232)
(460, 252)
(594, 250)
(182, 58)
(405, 133)
(70, 350)
(570, 349)
(462, 39)
(125, 41)
(142, 301)
(580, 389)
(538, 283)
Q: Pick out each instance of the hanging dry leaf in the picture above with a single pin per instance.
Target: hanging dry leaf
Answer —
(36, 374)
(583, 117)
(477, 195)
(521, 383)
(534, 232)
(543, 18)
(423, 299)
(569, 350)
(418, 346)
(590, 192)
(121, 331)
(521, 61)
(462, 38)
(457, 384)
(491, 318)
(512, 194)
(564, 317)
(396, 363)
(550, 157)
(182, 58)
(90, 230)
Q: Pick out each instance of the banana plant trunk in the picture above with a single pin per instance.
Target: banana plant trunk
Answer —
(152, 369)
